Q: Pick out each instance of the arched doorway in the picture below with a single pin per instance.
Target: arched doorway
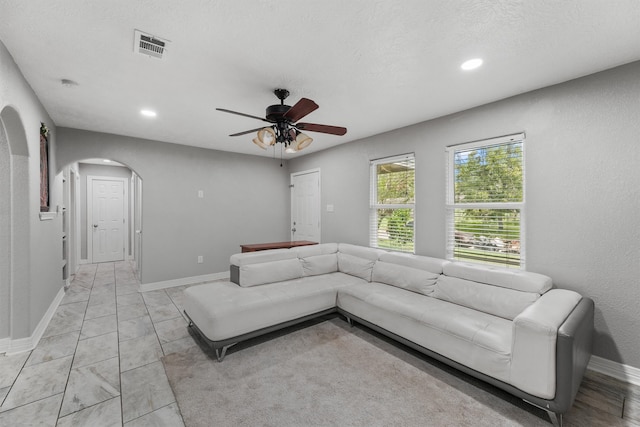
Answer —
(14, 229)
(81, 224)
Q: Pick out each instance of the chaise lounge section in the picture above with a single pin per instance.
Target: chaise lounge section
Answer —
(508, 327)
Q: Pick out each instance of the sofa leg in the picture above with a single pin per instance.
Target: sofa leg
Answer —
(349, 321)
(221, 352)
(556, 419)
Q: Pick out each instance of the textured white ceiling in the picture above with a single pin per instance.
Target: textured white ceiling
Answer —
(372, 66)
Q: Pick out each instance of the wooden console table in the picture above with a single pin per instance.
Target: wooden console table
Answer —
(275, 245)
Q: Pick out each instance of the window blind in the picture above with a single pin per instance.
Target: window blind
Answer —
(485, 201)
(392, 203)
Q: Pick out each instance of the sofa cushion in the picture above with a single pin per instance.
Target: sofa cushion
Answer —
(355, 266)
(497, 276)
(411, 279)
(318, 259)
(223, 310)
(360, 251)
(495, 300)
(261, 256)
(312, 250)
(319, 264)
(434, 265)
(269, 272)
(475, 339)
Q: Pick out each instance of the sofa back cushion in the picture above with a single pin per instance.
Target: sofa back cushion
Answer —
(360, 251)
(269, 272)
(313, 250)
(355, 266)
(247, 258)
(357, 260)
(434, 265)
(259, 268)
(512, 279)
(318, 259)
(495, 300)
(409, 278)
(494, 290)
(319, 264)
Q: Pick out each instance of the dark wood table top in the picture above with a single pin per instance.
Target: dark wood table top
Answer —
(275, 245)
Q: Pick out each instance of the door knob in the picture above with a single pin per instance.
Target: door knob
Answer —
(293, 229)
(95, 225)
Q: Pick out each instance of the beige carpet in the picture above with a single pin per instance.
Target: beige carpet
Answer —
(328, 374)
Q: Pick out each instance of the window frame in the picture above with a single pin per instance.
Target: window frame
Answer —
(374, 206)
(451, 205)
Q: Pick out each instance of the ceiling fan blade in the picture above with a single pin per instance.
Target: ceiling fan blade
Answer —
(300, 109)
(246, 132)
(312, 127)
(243, 114)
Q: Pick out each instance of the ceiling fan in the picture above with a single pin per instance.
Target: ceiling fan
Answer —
(285, 128)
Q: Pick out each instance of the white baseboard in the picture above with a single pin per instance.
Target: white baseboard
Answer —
(83, 261)
(183, 281)
(11, 346)
(622, 372)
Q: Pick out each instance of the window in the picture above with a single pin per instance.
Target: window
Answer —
(392, 203)
(485, 201)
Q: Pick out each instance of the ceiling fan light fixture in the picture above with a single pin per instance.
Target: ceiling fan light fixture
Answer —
(259, 143)
(266, 136)
(302, 141)
(290, 150)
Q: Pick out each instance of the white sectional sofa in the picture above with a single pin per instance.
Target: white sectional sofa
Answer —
(510, 328)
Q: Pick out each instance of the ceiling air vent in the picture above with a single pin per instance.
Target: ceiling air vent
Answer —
(146, 44)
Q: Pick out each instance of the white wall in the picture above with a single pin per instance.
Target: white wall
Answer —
(246, 199)
(582, 189)
(36, 246)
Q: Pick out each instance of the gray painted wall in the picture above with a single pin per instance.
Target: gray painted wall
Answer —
(582, 189)
(246, 199)
(36, 251)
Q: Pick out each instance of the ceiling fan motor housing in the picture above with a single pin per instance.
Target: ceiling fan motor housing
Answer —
(275, 112)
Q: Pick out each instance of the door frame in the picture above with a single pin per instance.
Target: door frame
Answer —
(291, 199)
(125, 214)
(74, 224)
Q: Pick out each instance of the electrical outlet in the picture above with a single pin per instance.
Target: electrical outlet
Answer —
(200, 194)
(200, 259)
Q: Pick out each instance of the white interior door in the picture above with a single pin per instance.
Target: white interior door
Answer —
(305, 206)
(107, 224)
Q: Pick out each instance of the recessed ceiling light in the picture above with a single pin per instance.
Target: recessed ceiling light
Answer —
(471, 64)
(148, 113)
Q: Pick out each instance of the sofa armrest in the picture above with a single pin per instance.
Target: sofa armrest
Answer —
(534, 342)
(575, 341)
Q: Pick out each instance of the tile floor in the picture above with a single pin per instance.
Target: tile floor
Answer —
(98, 362)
